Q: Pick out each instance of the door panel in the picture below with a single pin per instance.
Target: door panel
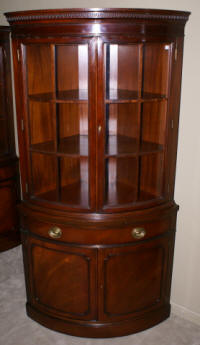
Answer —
(61, 99)
(63, 279)
(135, 81)
(133, 278)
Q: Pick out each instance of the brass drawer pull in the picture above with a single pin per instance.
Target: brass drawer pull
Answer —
(55, 232)
(138, 233)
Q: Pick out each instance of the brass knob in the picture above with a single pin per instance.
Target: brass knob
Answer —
(138, 233)
(55, 232)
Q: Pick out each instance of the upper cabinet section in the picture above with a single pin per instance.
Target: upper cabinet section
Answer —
(96, 90)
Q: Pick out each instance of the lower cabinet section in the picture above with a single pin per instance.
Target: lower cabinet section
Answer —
(98, 291)
(62, 279)
(133, 278)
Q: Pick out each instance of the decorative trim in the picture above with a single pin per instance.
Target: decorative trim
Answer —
(185, 313)
(96, 15)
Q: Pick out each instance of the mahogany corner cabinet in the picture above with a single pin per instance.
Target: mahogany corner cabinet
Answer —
(98, 94)
(9, 167)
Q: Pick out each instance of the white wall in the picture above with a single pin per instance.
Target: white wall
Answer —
(186, 275)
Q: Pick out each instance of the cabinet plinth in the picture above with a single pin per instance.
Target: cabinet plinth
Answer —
(97, 96)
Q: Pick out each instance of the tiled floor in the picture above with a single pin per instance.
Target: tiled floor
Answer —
(17, 329)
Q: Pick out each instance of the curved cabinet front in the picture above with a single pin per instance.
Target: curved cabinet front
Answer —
(97, 98)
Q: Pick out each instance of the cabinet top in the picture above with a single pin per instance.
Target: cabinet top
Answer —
(65, 15)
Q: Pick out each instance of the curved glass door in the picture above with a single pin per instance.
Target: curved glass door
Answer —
(57, 87)
(135, 96)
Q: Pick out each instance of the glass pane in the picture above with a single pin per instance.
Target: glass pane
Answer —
(153, 126)
(122, 71)
(39, 72)
(156, 69)
(136, 91)
(72, 72)
(41, 126)
(57, 78)
(44, 176)
(121, 181)
(73, 128)
(120, 137)
(151, 177)
(74, 181)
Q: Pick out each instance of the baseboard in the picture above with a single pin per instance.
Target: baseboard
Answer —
(185, 313)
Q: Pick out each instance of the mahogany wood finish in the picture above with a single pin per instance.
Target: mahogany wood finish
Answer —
(9, 175)
(98, 93)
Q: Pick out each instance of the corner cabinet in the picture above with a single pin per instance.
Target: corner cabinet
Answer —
(9, 170)
(98, 94)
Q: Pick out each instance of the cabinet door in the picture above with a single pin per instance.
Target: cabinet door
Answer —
(134, 279)
(60, 94)
(62, 279)
(133, 102)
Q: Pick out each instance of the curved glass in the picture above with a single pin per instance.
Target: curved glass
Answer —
(57, 86)
(136, 96)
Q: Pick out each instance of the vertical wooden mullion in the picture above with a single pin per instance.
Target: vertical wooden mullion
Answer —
(140, 114)
(100, 127)
(55, 118)
(92, 124)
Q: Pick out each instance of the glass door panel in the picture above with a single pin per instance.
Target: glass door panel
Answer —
(72, 121)
(121, 181)
(57, 85)
(136, 93)
(74, 180)
(44, 184)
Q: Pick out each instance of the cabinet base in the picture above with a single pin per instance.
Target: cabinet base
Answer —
(98, 329)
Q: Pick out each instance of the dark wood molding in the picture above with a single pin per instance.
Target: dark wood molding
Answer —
(96, 13)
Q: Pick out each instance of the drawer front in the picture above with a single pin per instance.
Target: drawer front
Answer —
(134, 233)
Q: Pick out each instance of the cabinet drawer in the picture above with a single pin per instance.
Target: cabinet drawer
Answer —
(96, 236)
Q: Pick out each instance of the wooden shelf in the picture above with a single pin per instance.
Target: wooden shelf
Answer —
(75, 194)
(117, 145)
(67, 96)
(121, 145)
(120, 193)
(128, 96)
(75, 145)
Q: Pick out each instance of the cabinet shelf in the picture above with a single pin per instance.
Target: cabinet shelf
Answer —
(128, 96)
(75, 194)
(121, 145)
(75, 145)
(66, 96)
(120, 193)
(117, 145)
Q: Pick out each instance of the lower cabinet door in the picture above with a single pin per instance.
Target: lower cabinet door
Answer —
(134, 279)
(62, 279)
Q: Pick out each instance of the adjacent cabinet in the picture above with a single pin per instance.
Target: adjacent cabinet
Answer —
(9, 171)
(98, 94)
